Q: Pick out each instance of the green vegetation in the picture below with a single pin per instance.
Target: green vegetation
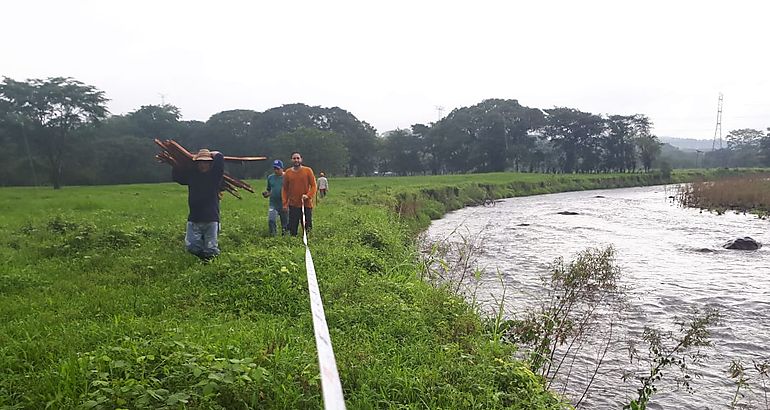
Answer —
(58, 131)
(102, 308)
(667, 350)
(744, 378)
(739, 193)
(568, 315)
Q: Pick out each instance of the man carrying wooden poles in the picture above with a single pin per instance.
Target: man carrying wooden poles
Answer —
(204, 175)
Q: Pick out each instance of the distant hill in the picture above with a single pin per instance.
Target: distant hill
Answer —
(689, 144)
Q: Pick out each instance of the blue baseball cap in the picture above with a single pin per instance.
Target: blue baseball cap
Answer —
(278, 164)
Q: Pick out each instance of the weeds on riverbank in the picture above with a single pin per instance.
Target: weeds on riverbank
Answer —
(452, 264)
(742, 376)
(750, 193)
(582, 302)
(667, 350)
(581, 306)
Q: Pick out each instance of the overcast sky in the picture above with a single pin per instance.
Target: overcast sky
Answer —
(392, 63)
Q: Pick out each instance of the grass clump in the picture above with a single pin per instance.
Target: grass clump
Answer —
(742, 193)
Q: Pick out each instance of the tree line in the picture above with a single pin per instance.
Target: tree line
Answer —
(58, 131)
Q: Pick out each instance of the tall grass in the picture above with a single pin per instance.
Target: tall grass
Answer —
(102, 308)
(740, 193)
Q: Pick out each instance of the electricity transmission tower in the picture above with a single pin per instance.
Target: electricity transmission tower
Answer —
(440, 111)
(718, 129)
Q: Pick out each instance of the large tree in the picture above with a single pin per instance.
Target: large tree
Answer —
(18, 155)
(619, 142)
(493, 135)
(764, 149)
(649, 149)
(744, 138)
(574, 133)
(155, 121)
(450, 142)
(323, 151)
(360, 138)
(401, 152)
(50, 111)
(228, 131)
(744, 147)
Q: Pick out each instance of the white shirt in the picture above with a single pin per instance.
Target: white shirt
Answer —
(323, 183)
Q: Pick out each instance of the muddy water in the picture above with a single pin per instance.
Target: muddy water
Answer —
(671, 259)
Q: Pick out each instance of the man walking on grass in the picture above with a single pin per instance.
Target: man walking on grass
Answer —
(298, 191)
(275, 207)
(203, 182)
(323, 185)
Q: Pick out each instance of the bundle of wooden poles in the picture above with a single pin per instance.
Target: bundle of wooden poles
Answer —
(176, 155)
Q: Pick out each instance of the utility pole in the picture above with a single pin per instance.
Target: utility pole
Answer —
(718, 129)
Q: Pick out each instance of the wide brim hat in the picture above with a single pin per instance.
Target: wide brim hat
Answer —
(203, 155)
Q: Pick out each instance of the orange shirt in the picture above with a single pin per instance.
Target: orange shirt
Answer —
(296, 183)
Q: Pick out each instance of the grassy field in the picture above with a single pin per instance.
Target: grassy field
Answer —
(102, 308)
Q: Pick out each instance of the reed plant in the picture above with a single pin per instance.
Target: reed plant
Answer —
(747, 193)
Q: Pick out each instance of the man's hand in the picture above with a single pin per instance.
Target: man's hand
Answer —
(304, 197)
(265, 194)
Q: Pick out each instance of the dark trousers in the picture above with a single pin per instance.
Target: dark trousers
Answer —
(295, 216)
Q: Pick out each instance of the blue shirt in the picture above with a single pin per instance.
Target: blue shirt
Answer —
(274, 184)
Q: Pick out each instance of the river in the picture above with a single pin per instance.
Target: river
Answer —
(671, 260)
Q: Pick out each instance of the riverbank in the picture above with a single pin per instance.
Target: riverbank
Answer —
(671, 264)
(418, 200)
(103, 308)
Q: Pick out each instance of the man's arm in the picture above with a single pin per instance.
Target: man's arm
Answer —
(285, 192)
(179, 175)
(311, 180)
(219, 164)
(267, 188)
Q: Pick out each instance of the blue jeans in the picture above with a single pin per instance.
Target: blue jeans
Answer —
(201, 239)
(272, 215)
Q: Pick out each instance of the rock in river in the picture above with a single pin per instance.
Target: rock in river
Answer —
(744, 244)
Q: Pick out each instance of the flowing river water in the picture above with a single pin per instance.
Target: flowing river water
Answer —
(672, 261)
